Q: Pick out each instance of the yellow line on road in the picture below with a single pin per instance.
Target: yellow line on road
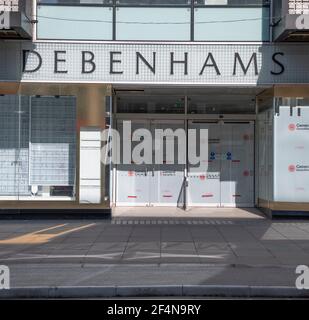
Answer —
(39, 237)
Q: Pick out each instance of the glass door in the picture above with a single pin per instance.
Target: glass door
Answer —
(167, 182)
(133, 179)
(229, 178)
(237, 164)
(159, 181)
(204, 185)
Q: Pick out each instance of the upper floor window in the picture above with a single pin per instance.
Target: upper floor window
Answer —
(232, 2)
(159, 2)
(153, 2)
(119, 2)
(154, 20)
(75, 2)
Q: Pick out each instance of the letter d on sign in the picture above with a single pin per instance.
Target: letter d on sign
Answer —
(4, 277)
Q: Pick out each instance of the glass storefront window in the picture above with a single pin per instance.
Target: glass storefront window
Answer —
(291, 145)
(14, 146)
(37, 148)
(292, 102)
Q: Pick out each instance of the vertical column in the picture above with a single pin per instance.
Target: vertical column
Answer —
(91, 113)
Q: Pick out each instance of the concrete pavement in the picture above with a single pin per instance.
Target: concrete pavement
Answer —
(154, 251)
(193, 212)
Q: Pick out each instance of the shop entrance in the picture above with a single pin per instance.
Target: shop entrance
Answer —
(151, 184)
(229, 180)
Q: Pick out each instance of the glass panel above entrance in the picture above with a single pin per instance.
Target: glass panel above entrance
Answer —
(151, 104)
(221, 104)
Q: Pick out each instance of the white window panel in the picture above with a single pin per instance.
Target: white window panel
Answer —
(90, 165)
(53, 141)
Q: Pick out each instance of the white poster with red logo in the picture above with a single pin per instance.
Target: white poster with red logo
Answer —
(291, 154)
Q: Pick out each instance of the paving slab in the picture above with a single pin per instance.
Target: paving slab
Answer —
(152, 251)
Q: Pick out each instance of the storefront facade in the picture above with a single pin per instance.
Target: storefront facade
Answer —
(60, 96)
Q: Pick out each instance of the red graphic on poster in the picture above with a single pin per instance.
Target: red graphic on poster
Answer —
(207, 195)
(292, 168)
(246, 173)
(202, 177)
(292, 127)
(300, 189)
(130, 173)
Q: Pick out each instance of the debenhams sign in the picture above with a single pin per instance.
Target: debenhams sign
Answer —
(164, 63)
